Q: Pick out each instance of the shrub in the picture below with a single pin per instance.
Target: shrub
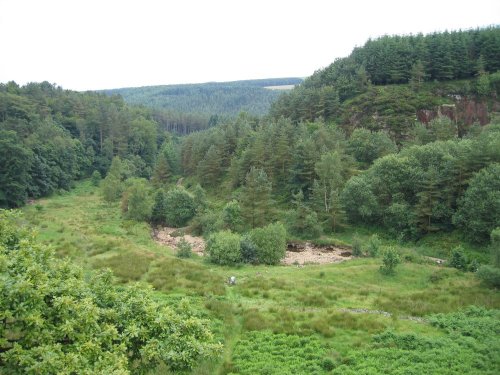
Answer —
(495, 247)
(96, 178)
(390, 260)
(83, 323)
(303, 222)
(224, 248)
(458, 259)
(373, 245)
(270, 242)
(180, 207)
(159, 210)
(184, 249)
(207, 222)
(357, 249)
(489, 275)
(479, 208)
(231, 216)
(248, 250)
(136, 200)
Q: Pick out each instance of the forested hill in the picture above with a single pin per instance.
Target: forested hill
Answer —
(212, 98)
(50, 137)
(383, 84)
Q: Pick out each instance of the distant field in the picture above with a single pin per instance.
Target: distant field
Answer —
(282, 87)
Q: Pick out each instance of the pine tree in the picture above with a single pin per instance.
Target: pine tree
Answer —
(209, 169)
(427, 201)
(159, 208)
(256, 198)
(336, 216)
(162, 172)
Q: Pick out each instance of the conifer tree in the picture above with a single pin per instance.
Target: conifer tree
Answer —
(159, 208)
(427, 201)
(256, 198)
(209, 169)
(162, 172)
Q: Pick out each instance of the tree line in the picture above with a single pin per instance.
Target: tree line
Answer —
(226, 99)
(50, 137)
(318, 179)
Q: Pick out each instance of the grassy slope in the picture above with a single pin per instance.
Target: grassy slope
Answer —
(304, 301)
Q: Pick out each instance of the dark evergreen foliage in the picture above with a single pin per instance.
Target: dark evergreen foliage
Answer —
(389, 60)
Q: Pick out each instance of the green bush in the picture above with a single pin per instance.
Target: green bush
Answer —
(357, 248)
(270, 242)
(136, 202)
(489, 275)
(159, 209)
(495, 247)
(305, 224)
(180, 207)
(231, 216)
(248, 250)
(479, 208)
(207, 222)
(263, 352)
(96, 178)
(373, 247)
(224, 248)
(390, 260)
(458, 259)
(83, 323)
(467, 344)
(184, 249)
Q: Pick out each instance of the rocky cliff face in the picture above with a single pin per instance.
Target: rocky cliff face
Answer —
(465, 112)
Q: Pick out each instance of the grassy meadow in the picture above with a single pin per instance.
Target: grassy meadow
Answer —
(287, 319)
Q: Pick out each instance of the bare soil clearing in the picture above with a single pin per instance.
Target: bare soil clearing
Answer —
(166, 236)
(297, 254)
(308, 253)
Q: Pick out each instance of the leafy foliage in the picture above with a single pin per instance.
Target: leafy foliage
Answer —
(224, 248)
(184, 249)
(263, 352)
(373, 246)
(179, 207)
(469, 346)
(390, 259)
(137, 202)
(458, 259)
(55, 319)
(270, 243)
(479, 209)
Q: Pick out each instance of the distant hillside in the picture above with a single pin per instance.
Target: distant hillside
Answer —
(212, 98)
(389, 82)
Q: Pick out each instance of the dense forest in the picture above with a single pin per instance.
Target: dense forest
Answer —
(184, 108)
(386, 151)
(383, 84)
(52, 137)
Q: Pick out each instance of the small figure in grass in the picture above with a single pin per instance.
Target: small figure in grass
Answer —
(232, 280)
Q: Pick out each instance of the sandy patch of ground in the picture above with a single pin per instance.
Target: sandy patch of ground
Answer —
(297, 254)
(164, 237)
(308, 253)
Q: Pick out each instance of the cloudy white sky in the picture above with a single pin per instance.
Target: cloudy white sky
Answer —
(97, 44)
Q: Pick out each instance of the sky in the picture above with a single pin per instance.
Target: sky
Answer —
(102, 44)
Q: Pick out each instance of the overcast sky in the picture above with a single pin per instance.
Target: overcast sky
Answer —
(97, 44)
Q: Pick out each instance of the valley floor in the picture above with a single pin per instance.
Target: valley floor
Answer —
(329, 318)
